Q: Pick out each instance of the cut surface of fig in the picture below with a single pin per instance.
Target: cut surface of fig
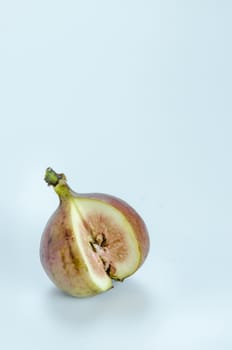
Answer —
(91, 260)
(112, 237)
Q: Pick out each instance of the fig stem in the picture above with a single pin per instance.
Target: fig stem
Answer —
(52, 178)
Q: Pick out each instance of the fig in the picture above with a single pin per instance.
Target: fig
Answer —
(90, 240)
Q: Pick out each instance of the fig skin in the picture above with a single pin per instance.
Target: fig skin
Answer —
(61, 256)
(61, 259)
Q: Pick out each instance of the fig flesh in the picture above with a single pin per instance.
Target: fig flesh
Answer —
(90, 240)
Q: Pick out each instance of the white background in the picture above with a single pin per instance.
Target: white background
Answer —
(131, 98)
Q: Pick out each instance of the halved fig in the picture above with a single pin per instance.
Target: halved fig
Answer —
(90, 240)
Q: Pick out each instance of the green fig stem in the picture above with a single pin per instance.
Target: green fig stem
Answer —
(58, 181)
(52, 178)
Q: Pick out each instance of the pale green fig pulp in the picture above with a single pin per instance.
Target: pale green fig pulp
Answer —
(90, 240)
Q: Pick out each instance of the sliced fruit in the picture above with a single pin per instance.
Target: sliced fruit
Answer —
(90, 240)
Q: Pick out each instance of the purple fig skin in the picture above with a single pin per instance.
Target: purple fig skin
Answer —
(61, 259)
(61, 256)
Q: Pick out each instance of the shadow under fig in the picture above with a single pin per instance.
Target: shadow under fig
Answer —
(127, 301)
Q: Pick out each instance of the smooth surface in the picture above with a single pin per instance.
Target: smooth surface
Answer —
(131, 98)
